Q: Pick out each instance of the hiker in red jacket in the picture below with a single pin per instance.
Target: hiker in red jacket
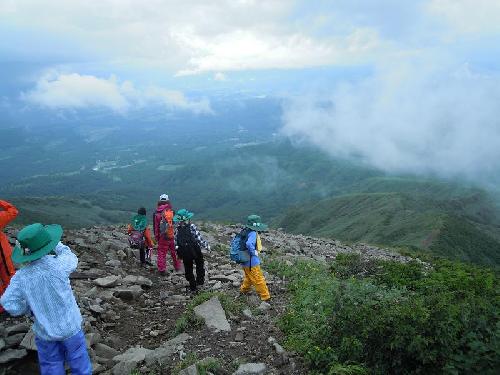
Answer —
(7, 213)
(164, 234)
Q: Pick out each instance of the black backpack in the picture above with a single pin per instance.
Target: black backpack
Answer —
(187, 245)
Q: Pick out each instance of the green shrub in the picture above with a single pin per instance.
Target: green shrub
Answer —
(403, 318)
(347, 265)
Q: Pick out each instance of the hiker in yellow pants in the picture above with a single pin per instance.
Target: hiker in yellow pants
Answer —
(253, 273)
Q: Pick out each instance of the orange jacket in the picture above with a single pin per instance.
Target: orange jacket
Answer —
(7, 270)
(147, 235)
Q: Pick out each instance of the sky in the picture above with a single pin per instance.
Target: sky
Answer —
(405, 85)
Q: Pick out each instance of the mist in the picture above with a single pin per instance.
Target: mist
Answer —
(426, 116)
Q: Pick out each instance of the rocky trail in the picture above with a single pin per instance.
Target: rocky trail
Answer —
(138, 321)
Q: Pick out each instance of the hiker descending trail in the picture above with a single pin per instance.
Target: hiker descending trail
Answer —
(189, 243)
(163, 227)
(139, 236)
(251, 267)
(137, 320)
(41, 289)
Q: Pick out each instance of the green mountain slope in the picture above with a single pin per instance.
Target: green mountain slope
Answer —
(460, 227)
(71, 212)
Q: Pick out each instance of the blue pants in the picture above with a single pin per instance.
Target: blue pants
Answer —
(53, 354)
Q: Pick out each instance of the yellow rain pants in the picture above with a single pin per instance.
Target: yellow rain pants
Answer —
(254, 277)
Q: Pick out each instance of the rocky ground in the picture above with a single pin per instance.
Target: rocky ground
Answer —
(130, 313)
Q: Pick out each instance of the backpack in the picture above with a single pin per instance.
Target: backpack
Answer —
(136, 239)
(167, 224)
(185, 241)
(238, 251)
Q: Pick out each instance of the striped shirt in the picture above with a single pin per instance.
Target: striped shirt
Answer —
(42, 288)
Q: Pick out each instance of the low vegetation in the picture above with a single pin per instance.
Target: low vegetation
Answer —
(451, 223)
(385, 317)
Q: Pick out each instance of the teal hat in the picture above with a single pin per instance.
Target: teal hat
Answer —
(139, 222)
(35, 241)
(254, 222)
(183, 215)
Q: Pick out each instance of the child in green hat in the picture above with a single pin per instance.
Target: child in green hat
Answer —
(252, 273)
(42, 290)
(139, 236)
(188, 244)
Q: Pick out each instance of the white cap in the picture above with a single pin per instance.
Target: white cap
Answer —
(164, 197)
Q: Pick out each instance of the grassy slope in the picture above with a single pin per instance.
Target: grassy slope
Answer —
(70, 212)
(444, 220)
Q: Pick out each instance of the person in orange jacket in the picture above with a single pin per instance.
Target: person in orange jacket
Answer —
(140, 236)
(7, 270)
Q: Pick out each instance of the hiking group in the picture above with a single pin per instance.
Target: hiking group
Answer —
(177, 235)
(41, 289)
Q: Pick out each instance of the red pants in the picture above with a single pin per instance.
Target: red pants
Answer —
(165, 246)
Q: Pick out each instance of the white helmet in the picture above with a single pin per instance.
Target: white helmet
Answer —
(164, 197)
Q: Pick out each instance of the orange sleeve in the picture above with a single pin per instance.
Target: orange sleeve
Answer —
(9, 213)
(147, 236)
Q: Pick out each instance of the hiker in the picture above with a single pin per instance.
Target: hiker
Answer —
(163, 227)
(189, 243)
(41, 289)
(252, 273)
(140, 236)
(7, 270)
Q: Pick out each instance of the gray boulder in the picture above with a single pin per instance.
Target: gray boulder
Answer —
(129, 360)
(191, 370)
(14, 340)
(213, 314)
(139, 280)
(251, 369)
(105, 351)
(29, 341)
(18, 328)
(12, 354)
(108, 281)
(164, 353)
(128, 294)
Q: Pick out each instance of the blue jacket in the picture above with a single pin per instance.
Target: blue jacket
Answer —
(251, 247)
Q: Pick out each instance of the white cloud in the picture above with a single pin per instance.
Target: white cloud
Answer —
(194, 37)
(61, 90)
(245, 50)
(426, 117)
(177, 100)
(77, 91)
(219, 76)
(468, 16)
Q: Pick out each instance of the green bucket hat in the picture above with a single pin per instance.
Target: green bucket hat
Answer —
(183, 215)
(139, 222)
(35, 241)
(254, 222)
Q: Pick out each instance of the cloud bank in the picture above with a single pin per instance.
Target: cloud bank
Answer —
(60, 90)
(192, 37)
(421, 116)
